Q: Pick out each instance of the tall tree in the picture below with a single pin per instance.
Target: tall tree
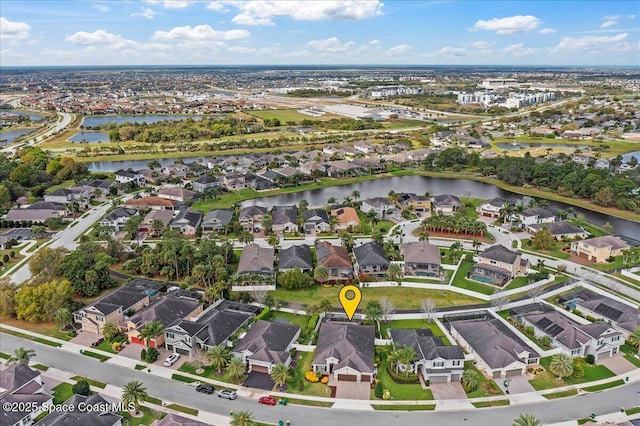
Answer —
(151, 330)
(219, 357)
(388, 307)
(21, 356)
(243, 418)
(561, 365)
(236, 368)
(110, 330)
(279, 375)
(470, 380)
(321, 273)
(373, 312)
(428, 308)
(133, 394)
(394, 272)
(406, 355)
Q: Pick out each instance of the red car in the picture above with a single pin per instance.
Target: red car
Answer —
(267, 400)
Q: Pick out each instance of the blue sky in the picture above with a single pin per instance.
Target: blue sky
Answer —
(185, 32)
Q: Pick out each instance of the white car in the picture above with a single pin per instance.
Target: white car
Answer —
(171, 359)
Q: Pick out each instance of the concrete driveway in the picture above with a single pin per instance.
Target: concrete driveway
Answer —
(517, 384)
(617, 363)
(85, 338)
(451, 390)
(351, 390)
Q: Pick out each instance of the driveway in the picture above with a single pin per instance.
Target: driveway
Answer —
(517, 384)
(617, 363)
(132, 350)
(85, 338)
(451, 390)
(259, 381)
(353, 390)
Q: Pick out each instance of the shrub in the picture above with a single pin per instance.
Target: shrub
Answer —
(324, 380)
(116, 346)
(143, 355)
(264, 315)
(300, 385)
(81, 388)
(313, 321)
(377, 391)
(528, 330)
(152, 355)
(590, 359)
(312, 377)
(590, 318)
(386, 394)
(578, 371)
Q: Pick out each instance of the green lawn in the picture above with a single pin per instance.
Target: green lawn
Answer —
(487, 386)
(546, 380)
(616, 264)
(299, 320)
(62, 392)
(181, 378)
(209, 372)
(183, 409)
(90, 381)
(101, 357)
(401, 391)
(414, 323)
(517, 283)
(312, 389)
(148, 417)
(4, 356)
(400, 407)
(485, 404)
(403, 297)
(562, 394)
(630, 354)
(461, 281)
(609, 385)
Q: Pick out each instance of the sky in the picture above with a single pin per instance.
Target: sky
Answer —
(279, 32)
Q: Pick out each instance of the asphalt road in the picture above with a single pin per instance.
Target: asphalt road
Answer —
(549, 411)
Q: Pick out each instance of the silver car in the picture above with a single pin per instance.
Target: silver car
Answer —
(229, 394)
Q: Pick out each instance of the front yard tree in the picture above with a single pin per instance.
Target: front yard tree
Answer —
(526, 420)
(245, 237)
(151, 330)
(236, 368)
(405, 355)
(273, 240)
(561, 365)
(219, 358)
(199, 359)
(321, 273)
(133, 394)
(543, 239)
(21, 356)
(279, 375)
(243, 418)
(634, 338)
(110, 330)
(470, 380)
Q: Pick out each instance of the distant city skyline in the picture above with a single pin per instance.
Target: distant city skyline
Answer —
(187, 32)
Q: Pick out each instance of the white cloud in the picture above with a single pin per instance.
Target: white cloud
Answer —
(241, 49)
(631, 16)
(102, 7)
(217, 6)
(101, 38)
(145, 13)
(400, 49)
(331, 44)
(608, 24)
(374, 42)
(518, 50)
(509, 25)
(261, 12)
(547, 31)
(611, 17)
(200, 33)
(172, 4)
(482, 44)
(451, 51)
(10, 30)
(616, 42)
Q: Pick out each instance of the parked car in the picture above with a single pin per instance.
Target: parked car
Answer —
(205, 388)
(267, 400)
(97, 342)
(227, 393)
(171, 359)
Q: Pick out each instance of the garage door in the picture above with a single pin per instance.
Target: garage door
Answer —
(496, 374)
(511, 373)
(260, 369)
(348, 377)
(137, 340)
(182, 351)
(365, 378)
(437, 379)
(456, 377)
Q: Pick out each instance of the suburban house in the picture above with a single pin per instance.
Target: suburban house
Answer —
(370, 259)
(251, 218)
(266, 345)
(91, 410)
(126, 176)
(346, 217)
(101, 186)
(535, 215)
(559, 230)
(153, 203)
(336, 259)
(495, 348)
(233, 181)
(498, 265)
(163, 216)
(61, 196)
(180, 195)
(118, 217)
(22, 388)
(217, 220)
(577, 340)
(599, 249)
(490, 208)
(127, 299)
(446, 204)
(205, 183)
(378, 204)
(212, 327)
(165, 311)
(187, 222)
(284, 219)
(316, 220)
(435, 361)
(421, 259)
(256, 260)
(295, 257)
(623, 316)
(419, 203)
(346, 351)
(37, 212)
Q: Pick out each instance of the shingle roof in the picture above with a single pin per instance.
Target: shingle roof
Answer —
(426, 345)
(176, 420)
(500, 253)
(296, 257)
(316, 215)
(370, 254)
(190, 217)
(268, 341)
(77, 417)
(421, 252)
(538, 211)
(165, 311)
(446, 200)
(250, 211)
(332, 256)
(16, 376)
(284, 215)
(218, 215)
(351, 344)
(607, 241)
(558, 228)
(120, 212)
(256, 259)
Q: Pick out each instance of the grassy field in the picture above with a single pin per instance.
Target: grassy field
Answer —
(285, 115)
(62, 392)
(546, 380)
(29, 337)
(17, 258)
(487, 386)
(403, 298)
(414, 323)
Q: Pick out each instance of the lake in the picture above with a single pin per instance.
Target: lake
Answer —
(10, 136)
(91, 137)
(119, 119)
(627, 157)
(519, 146)
(28, 114)
(435, 186)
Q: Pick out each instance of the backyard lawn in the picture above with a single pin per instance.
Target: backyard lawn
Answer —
(403, 297)
(460, 280)
(546, 380)
(414, 323)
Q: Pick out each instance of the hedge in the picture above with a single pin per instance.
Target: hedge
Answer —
(401, 379)
(265, 314)
(312, 322)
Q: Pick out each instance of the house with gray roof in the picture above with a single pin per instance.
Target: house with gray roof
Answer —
(23, 389)
(316, 220)
(205, 183)
(576, 340)
(495, 348)
(217, 220)
(175, 420)
(498, 265)
(491, 208)
(336, 259)
(187, 222)
(88, 410)
(421, 259)
(346, 351)
(266, 345)
(129, 175)
(250, 218)
(298, 256)
(118, 217)
(256, 260)
(559, 230)
(535, 215)
(37, 212)
(435, 361)
(446, 204)
(213, 327)
(370, 259)
(284, 219)
(378, 204)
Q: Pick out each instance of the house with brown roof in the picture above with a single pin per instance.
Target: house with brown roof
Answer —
(421, 259)
(336, 259)
(153, 203)
(256, 260)
(164, 216)
(498, 265)
(266, 345)
(599, 249)
(346, 216)
(181, 195)
(250, 218)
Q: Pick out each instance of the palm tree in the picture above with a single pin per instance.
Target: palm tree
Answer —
(394, 272)
(133, 394)
(325, 305)
(332, 200)
(372, 217)
(321, 273)
(279, 375)
(245, 237)
(355, 194)
(110, 330)
(561, 365)
(273, 240)
(393, 196)
(236, 368)
(21, 356)
(151, 330)
(405, 355)
(424, 235)
(243, 418)
(634, 338)
(476, 245)
(63, 317)
(157, 226)
(470, 380)
(219, 357)
(526, 420)
(373, 312)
